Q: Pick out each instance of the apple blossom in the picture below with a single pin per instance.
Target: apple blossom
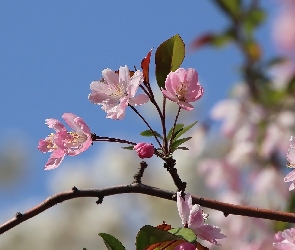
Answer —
(193, 217)
(144, 150)
(115, 91)
(63, 142)
(285, 240)
(182, 86)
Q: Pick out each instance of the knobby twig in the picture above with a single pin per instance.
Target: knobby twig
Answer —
(226, 208)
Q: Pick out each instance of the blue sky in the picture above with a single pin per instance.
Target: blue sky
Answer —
(52, 50)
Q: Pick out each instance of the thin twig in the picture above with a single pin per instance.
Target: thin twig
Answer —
(144, 120)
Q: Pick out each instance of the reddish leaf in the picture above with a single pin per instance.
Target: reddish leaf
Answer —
(166, 245)
(202, 40)
(164, 226)
(145, 65)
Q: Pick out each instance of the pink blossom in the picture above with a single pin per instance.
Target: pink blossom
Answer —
(144, 150)
(182, 86)
(285, 240)
(63, 142)
(115, 91)
(193, 217)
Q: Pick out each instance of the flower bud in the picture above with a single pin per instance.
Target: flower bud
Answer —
(144, 150)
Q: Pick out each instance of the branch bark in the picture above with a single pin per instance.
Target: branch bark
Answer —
(226, 208)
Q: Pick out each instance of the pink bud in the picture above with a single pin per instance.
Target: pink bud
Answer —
(144, 150)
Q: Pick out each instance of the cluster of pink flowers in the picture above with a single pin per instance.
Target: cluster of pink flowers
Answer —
(291, 163)
(114, 92)
(63, 142)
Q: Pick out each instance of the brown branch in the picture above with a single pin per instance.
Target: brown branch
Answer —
(144, 189)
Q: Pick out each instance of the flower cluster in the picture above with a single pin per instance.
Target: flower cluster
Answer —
(291, 163)
(63, 142)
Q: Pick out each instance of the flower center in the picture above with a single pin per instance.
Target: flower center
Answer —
(75, 139)
(50, 142)
(181, 91)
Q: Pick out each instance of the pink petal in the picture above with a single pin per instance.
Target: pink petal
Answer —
(70, 120)
(196, 218)
(184, 207)
(185, 105)
(192, 75)
(53, 163)
(209, 233)
(290, 176)
(170, 96)
(124, 77)
(136, 80)
(291, 156)
(55, 124)
(118, 112)
(82, 126)
(169, 86)
(139, 100)
(110, 77)
(42, 146)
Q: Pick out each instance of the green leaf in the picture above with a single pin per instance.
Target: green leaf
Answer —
(178, 127)
(150, 133)
(149, 235)
(111, 242)
(185, 233)
(129, 147)
(177, 143)
(185, 129)
(253, 20)
(168, 57)
(230, 7)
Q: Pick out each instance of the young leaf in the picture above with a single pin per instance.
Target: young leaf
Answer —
(185, 233)
(229, 7)
(145, 65)
(149, 133)
(111, 242)
(177, 143)
(178, 127)
(168, 57)
(128, 147)
(185, 129)
(149, 235)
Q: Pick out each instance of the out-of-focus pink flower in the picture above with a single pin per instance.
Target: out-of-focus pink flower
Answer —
(63, 142)
(144, 150)
(115, 91)
(285, 240)
(186, 246)
(291, 163)
(193, 217)
(284, 29)
(182, 86)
